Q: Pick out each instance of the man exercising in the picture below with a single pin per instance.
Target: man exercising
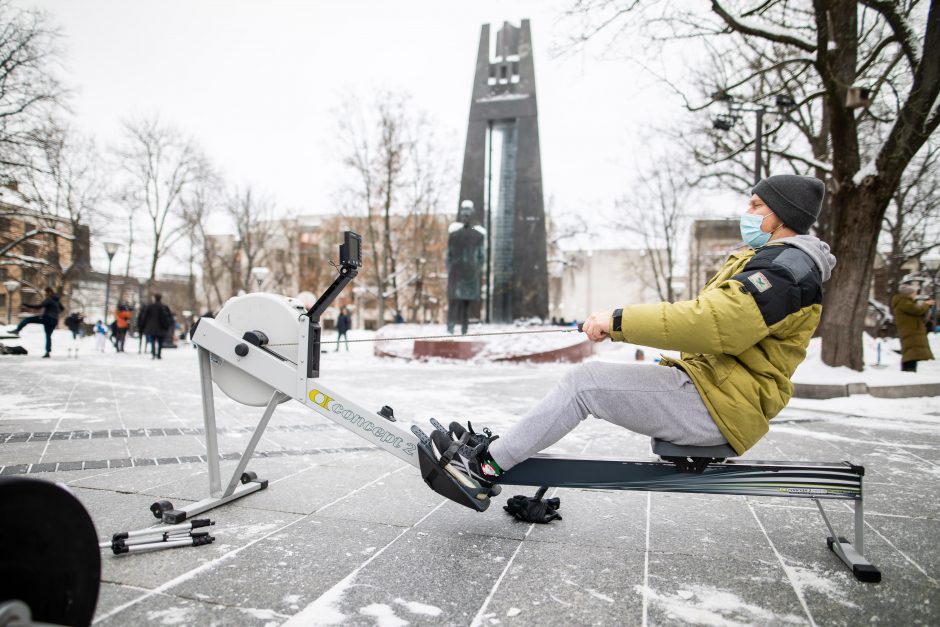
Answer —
(740, 341)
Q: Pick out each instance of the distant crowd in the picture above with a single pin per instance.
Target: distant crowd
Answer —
(155, 324)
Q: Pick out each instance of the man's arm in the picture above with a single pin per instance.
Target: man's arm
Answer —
(914, 309)
(730, 317)
(724, 319)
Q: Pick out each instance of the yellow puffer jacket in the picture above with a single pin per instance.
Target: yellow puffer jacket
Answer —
(742, 338)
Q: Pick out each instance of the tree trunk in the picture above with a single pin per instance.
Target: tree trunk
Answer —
(844, 302)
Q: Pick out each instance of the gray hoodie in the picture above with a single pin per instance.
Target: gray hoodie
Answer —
(817, 249)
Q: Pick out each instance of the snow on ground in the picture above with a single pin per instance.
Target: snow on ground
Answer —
(882, 367)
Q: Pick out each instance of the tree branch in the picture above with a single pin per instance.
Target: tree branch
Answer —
(739, 25)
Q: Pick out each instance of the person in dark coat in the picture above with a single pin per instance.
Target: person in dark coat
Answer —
(343, 325)
(155, 321)
(73, 322)
(465, 257)
(49, 318)
(909, 318)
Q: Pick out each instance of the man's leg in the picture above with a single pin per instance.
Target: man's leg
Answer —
(28, 320)
(158, 346)
(452, 307)
(463, 313)
(656, 401)
(908, 366)
(49, 326)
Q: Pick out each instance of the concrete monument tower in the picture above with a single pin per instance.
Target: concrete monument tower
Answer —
(502, 174)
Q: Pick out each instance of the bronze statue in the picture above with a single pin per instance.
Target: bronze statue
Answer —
(465, 257)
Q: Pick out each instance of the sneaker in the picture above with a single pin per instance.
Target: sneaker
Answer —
(46, 356)
(474, 439)
(468, 455)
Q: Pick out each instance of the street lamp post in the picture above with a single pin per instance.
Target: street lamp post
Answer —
(111, 248)
(11, 286)
(725, 121)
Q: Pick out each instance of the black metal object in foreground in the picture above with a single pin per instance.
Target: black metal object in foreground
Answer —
(50, 565)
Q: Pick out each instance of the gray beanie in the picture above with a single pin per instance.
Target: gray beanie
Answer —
(795, 199)
(907, 290)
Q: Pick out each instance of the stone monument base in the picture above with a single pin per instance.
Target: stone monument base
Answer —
(572, 347)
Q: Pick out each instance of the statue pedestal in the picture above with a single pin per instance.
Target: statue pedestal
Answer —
(570, 347)
(424, 349)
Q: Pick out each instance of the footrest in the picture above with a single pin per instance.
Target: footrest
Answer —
(447, 485)
(668, 449)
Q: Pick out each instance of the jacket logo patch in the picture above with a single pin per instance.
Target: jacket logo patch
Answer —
(760, 281)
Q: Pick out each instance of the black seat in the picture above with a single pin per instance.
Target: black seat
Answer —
(668, 449)
(692, 458)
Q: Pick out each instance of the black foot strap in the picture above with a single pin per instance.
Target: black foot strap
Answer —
(534, 509)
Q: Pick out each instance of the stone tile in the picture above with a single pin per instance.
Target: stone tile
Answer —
(419, 568)
(904, 595)
(176, 610)
(297, 565)
(552, 584)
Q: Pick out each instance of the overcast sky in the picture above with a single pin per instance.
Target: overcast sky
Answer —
(258, 85)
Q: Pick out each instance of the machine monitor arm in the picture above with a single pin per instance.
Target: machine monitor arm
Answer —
(350, 260)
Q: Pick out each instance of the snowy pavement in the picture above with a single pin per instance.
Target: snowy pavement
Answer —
(347, 534)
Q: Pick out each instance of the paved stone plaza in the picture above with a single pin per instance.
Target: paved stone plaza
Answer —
(347, 534)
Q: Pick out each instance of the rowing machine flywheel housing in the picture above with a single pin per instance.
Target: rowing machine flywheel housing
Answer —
(277, 317)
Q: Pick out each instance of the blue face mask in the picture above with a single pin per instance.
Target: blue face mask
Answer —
(750, 230)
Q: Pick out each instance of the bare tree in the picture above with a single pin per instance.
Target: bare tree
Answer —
(162, 166)
(29, 89)
(252, 216)
(65, 182)
(375, 148)
(431, 179)
(198, 208)
(912, 223)
(657, 212)
(866, 75)
(60, 196)
(280, 254)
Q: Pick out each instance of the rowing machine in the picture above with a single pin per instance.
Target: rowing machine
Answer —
(263, 349)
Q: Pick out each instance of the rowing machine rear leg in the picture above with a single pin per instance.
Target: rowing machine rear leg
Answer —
(851, 555)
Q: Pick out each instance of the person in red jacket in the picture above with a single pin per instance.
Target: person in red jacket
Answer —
(122, 322)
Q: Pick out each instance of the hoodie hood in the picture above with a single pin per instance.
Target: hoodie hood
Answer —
(817, 249)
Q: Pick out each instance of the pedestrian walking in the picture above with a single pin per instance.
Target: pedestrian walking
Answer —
(73, 322)
(155, 322)
(342, 328)
(51, 308)
(909, 319)
(122, 324)
(101, 336)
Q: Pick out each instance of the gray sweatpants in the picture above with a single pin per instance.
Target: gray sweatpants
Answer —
(656, 401)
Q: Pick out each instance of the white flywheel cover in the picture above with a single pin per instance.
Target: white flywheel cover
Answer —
(274, 315)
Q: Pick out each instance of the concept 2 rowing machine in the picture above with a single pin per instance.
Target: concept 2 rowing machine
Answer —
(263, 349)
